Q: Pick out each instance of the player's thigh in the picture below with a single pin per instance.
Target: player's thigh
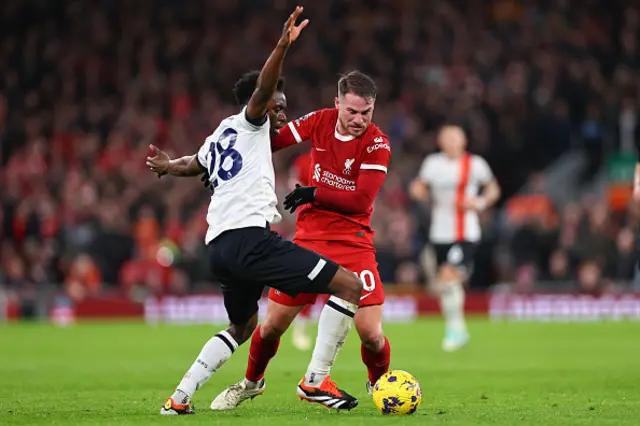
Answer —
(452, 261)
(241, 301)
(365, 266)
(368, 322)
(284, 299)
(469, 251)
(289, 268)
(240, 296)
(360, 262)
(447, 257)
(324, 249)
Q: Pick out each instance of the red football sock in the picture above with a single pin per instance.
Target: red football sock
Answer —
(306, 311)
(377, 362)
(260, 353)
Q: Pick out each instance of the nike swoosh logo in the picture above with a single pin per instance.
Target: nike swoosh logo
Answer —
(366, 295)
(320, 149)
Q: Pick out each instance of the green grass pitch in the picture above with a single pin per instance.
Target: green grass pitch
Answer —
(510, 374)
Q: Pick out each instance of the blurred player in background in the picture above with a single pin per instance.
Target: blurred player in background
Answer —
(244, 253)
(451, 180)
(350, 156)
(300, 174)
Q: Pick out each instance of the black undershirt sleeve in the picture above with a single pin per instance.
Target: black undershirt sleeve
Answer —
(258, 122)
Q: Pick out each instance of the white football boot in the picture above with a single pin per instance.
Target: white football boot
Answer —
(454, 341)
(236, 394)
(369, 388)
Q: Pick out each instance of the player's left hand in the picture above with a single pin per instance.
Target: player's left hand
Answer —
(159, 164)
(299, 196)
(418, 191)
(291, 31)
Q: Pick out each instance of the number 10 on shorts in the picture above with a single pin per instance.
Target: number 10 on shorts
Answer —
(368, 280)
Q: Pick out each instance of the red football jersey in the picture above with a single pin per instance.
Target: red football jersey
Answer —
(348, 172)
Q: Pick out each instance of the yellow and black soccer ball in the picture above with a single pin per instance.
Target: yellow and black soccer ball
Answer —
(397, 392)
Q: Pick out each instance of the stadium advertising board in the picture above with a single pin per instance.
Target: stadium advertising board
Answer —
(564, 307)
(205, 309)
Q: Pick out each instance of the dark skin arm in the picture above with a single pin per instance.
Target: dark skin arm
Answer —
(162, 165)
(270, 73)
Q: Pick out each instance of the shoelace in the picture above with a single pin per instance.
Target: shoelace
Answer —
(180, 406)
(329, 386)
(236, 386)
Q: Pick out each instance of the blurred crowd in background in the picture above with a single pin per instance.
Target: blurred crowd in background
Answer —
(87, 86)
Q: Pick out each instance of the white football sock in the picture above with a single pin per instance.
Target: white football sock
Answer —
(452, 305)
(214, 353)
(333, 326)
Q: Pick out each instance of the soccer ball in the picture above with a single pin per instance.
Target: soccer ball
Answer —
(397, 392)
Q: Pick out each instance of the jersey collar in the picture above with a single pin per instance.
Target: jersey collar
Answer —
(340, 137)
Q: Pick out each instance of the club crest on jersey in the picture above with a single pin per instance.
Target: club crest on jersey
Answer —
(347, 166)
(316, 172)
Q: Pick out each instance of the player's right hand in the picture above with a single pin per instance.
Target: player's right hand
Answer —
(291, 31)
(206, 182)
(159, 164)
(418, 191)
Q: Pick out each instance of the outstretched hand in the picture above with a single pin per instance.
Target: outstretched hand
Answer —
(159, 164)
(291, 31)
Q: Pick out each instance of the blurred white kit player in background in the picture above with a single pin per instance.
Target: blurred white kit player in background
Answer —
(458, 185)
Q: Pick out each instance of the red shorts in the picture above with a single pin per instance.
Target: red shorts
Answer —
(355, 259)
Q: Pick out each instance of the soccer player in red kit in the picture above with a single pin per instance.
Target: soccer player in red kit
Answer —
(350, 156)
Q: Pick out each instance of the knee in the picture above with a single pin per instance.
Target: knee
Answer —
(351, 288)
(273, 328)
(242, 332)
(372, 337)
(448, 274)
(355, 289)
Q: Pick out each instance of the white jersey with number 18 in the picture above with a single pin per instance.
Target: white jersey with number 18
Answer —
(237, 156)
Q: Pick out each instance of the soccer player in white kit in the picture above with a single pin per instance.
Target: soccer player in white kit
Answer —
(452, 180)
(244, 254)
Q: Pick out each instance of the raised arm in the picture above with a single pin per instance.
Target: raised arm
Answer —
(270, 73)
